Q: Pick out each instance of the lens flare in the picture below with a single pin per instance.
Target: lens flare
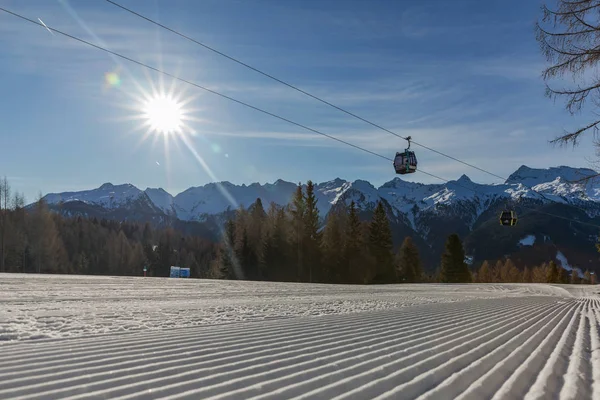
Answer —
(112, 79)
(215, 148)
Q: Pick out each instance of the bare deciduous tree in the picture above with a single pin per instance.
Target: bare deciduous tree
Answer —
(569, 36)
(4, 208)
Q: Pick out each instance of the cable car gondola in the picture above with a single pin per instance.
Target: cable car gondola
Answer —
(508, 218)
(406, 162)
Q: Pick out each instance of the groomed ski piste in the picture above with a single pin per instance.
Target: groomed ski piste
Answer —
(80, 337)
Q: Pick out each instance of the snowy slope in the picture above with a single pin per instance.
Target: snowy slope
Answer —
(363, 193)
(329, 193)
(161, 199)
(241, 340)
(212, 198)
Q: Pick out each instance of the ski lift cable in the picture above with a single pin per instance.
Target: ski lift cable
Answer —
(256, 108)
(174, 31)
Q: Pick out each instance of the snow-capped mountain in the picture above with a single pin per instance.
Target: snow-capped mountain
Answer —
(161, 199)
(561, 184)
(534, 176)
(107, 195)
(406, 199)
(427, 212)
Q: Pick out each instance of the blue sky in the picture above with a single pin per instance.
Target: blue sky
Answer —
(462, 77)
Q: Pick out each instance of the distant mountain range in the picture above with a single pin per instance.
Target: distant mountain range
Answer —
(428, 212)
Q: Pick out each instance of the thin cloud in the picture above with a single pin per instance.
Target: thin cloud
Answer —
(29, 44)
(431, 19)
(514, 68)
(277, 135)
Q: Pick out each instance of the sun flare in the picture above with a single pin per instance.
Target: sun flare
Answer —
(163, 114)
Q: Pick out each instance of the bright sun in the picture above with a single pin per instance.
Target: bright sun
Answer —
(163, 114)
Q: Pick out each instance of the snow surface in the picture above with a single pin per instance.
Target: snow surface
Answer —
(113, 337)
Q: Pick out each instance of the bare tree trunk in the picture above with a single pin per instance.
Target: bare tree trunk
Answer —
(2, 224)
(4, 199)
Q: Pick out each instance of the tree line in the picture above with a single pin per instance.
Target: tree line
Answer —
(39, 240)
(290, 244)
(281, 243)
(505, 271)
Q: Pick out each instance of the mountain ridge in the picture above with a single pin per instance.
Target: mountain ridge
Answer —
(194, 203)
(427, 212)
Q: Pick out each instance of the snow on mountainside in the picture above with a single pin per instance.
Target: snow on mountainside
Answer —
(161, 199)
(108, 196)
(558, 182)
(362, 193)
(409, 199)
(211, 198)
(534, 176)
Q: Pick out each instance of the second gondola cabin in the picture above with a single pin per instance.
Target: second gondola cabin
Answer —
(405, 162)
(508, 218)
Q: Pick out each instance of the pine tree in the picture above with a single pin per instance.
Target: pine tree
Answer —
(45, 244)
(297, 210)
(247, 257)
(380, 245)
(574, 277)
(332, 245)
(408, 262)
(256, 226)
(226, 265)
(504, 278)
(485, 274)
(454, 269)
(268, 258)
(147, 235)
(527, 275)
(253, 226)
(137, 258)
(218, 265)
(510, 272)
(121, 252)
(353, 245)
(82, 263)
(552, 274)
(587, 277)
(165, 254)
(152, 258)
(539, 273)
(312, 235)
(497, 272)
(281, 244)
(563, 275)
